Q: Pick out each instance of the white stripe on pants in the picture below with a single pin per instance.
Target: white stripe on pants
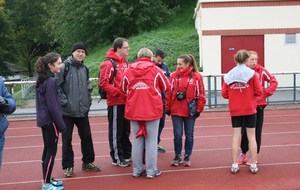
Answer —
(150, 144)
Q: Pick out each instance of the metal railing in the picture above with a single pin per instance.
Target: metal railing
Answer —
(288, 91)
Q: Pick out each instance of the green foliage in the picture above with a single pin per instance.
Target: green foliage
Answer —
(5, 41)
(96, 21)
(175, 38)
(41, 26)
(32, 38)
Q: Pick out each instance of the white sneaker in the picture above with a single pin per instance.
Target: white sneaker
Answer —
(253, 168)
(234, 168)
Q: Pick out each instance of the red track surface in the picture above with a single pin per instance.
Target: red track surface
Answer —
(279, 160)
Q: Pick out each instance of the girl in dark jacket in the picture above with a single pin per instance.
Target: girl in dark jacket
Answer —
(49, 117)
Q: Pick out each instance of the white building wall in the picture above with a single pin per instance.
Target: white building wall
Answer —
(250, 17)
(281, 57)
(211, 52)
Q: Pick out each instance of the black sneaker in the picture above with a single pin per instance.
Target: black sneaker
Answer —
(90, 167)
(128, 159)
(139, 174)
(68, 172)
(161, 149)
(176, 161)
(186, 161)
(121, 163)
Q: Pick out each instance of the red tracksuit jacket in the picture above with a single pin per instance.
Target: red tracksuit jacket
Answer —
(195, 88)
(265, 77)
(242, 94)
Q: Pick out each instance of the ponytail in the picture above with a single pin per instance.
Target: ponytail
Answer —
(195, 68)
(41, 66)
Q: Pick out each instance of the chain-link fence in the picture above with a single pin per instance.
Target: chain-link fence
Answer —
(288, 91)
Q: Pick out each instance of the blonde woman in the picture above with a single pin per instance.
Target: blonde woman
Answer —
(143, 83)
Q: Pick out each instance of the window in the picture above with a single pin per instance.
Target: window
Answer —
(290, 39)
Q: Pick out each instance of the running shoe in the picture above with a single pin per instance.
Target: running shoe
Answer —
(253, 168)
(161, 149)
(52, 187)
(68, 172)
(234, 168)
(128, 159)
(56, 182)
(156, 174)
(123, 163)
(242, 158)
(176, 161)
(249, 162)
(139, 174)
(186, 161)
(90, 167)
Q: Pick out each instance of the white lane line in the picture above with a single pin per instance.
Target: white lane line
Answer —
(33, 126)
(169, 152)
(169, 138)
(166, 128)
(163, 171)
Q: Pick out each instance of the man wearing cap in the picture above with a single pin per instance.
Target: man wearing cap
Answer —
(75, 97)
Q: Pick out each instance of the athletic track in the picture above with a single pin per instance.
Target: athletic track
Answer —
(279, 160)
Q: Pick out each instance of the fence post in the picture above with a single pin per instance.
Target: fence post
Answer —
(209, 91)
(215, 91)
(294, 87)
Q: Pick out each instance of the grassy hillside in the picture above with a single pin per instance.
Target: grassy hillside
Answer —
(176, 37)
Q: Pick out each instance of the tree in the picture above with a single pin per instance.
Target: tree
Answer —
(32, 39)
(95, 21)
(5, 42)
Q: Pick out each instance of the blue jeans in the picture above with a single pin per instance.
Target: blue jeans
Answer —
(2, 142)
(188, 123)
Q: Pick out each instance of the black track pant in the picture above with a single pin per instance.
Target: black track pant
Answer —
(118, 133)
(258, 132)
(50, 138)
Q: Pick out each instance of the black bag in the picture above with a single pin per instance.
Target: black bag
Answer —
(101, 91)
(192, 107)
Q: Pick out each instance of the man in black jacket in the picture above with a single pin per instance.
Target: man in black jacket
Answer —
(75, 97)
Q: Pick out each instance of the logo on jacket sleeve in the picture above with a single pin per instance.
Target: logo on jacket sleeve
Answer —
(140, 86)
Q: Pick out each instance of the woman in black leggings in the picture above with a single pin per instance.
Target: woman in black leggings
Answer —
(48, 113)
(264, 77)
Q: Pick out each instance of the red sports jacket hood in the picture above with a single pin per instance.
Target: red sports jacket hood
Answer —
(141, 66)
(144, 82)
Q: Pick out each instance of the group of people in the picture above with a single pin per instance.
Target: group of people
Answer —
(139, 95)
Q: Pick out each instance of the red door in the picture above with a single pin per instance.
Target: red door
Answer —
(231, 44)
